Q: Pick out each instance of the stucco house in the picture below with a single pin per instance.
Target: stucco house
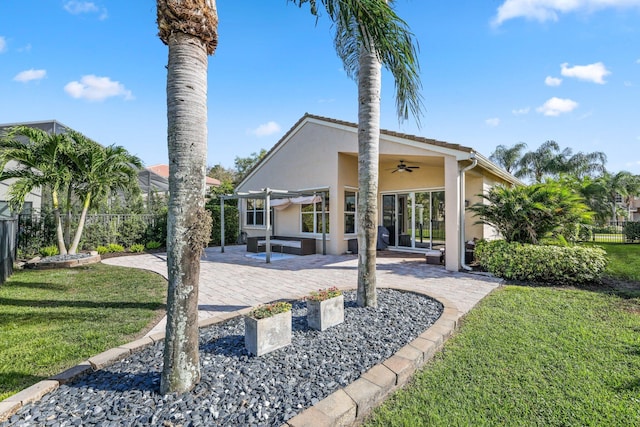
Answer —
(424, 187)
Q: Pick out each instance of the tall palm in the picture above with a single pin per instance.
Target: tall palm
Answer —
(190, 29)
(582, 164)
(508, 157)
(545, 160)
(369, 34)
(615, 186)
(101, 171)
(42, 162)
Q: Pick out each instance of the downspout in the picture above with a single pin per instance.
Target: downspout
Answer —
(463, 244)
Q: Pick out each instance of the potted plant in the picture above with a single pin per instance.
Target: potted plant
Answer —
(267, 328)
(325, 308)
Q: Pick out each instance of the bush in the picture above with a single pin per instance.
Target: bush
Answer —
(132, 231)
(631, 230)
(137, 248)
(115, 247)
(153, 245)
(49, 251)
(231, 225)
(102, 250)
(544, 264)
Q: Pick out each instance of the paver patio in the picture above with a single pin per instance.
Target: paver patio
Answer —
(231, 281)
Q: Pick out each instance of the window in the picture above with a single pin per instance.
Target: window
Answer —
(5, 211)
(350, 202)
(311, 216)
(255, 212)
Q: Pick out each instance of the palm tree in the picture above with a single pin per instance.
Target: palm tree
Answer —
(508, 157)
(42, 162)
(616, 186)
(369, 35)
(101, 171)
(545, 160)
(582, 164)
(190, 29)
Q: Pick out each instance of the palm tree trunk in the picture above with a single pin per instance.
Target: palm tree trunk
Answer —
(62, 248)
(187, 140)
(369, 85)
(83, 216)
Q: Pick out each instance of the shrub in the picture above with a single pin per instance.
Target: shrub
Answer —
(49, 251)
(631, 230)
(132, 231)
(137, 248)
(231, 226)
(532, 213)
(324, 294)
(269, 310)
(102, 249)
(544, 264)
(153, 245)
(115, 247)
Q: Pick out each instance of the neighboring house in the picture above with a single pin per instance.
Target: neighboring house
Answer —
(33, 201)
(163, 171)
(424, 187)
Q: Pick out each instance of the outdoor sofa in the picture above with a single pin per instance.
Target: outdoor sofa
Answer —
(284, 244)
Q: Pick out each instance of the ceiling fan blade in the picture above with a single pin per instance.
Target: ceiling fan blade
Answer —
(396, 170)
(408, 170)
(413, 167)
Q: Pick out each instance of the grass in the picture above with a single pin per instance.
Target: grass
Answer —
(52, 319)
(624, 261)
(535, 356)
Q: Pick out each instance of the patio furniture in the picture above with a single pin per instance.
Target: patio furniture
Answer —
(286, 244)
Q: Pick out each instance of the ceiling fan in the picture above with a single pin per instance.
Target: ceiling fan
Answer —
(402, 167)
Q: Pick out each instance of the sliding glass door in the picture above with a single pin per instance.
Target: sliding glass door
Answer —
(415, 219)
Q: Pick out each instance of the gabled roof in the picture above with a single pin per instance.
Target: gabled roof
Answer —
(163, 170)
(433, 144)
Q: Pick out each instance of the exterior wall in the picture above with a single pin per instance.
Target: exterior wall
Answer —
(35, 197)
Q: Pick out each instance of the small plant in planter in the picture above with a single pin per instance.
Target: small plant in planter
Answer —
(267, 328)
(325, 308)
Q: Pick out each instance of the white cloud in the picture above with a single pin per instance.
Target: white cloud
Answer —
(556, 106)
(552, 81)
(592, 73)
(75, 7)
(637, 61)
(94, 88)
(265, 129)
(627, 83)
(492, 122)
(548, 10)
(3, 44)
(29, 75)
(521, 111)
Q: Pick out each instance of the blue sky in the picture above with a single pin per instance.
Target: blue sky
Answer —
(493, 72)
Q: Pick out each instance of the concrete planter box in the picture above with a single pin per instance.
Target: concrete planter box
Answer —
(262, 336)
(322, 315)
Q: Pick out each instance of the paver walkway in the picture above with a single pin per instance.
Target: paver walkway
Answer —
(231, 281)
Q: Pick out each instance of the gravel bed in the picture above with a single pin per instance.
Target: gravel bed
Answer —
(237, 389)
(67, 257)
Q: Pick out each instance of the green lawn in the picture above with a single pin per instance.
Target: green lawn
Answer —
(542, 356)
(52, 319)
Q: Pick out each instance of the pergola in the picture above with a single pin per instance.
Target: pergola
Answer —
(273, 197)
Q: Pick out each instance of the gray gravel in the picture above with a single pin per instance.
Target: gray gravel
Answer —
(237, 389)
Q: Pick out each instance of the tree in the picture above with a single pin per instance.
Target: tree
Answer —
(244, 164)
(41, 159)
(101, 172)
(508, 157)
(190, 30)
(619, 185)
(369, 35)
(527, 214)
(545, 160)
(583, 164)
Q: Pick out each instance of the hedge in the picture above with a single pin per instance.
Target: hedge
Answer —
(543, 264)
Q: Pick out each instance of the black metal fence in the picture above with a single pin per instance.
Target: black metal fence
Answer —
(8, 232)
(616, 232)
